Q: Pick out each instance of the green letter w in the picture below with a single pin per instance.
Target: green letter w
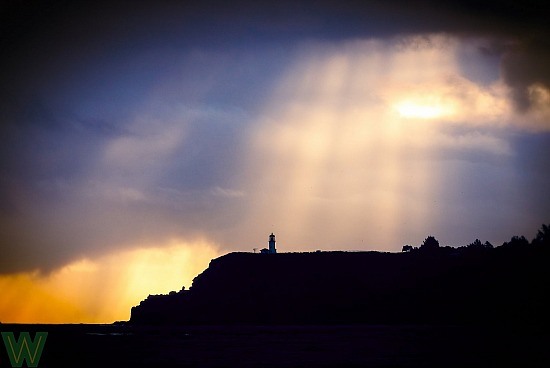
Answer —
(24, 348)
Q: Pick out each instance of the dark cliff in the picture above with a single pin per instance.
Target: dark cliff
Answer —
(501, 285)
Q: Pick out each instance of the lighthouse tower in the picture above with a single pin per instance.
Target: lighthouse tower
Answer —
(272, 244)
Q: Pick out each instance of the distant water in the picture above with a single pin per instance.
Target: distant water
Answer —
(289, 346)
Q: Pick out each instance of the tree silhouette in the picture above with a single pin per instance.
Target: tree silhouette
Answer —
(430, 244)
(477, 245)
(543, 236)
(516, 241)
(407, 248)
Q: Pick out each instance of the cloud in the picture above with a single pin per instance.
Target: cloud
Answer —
(155, 180)
(517, 31)
(524, 67)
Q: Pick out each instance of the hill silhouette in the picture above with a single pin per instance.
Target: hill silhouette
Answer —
(427, 285)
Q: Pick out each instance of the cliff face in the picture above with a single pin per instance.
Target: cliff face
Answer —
(359, 287)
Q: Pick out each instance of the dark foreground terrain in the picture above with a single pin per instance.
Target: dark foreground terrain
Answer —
(438, 287)
(288, 346)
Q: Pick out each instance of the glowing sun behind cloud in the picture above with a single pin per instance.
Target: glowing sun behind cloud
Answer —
(351, 140)
(424, 110)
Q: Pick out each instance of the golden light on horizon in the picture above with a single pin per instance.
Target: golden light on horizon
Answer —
(102, 290)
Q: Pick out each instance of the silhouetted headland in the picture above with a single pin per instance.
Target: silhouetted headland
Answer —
(427, 285)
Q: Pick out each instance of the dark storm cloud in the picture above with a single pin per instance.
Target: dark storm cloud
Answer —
(81, 80)
(53, 37)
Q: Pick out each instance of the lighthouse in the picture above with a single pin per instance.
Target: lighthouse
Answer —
(272, 244)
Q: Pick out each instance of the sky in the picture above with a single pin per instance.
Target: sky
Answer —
(139, 140)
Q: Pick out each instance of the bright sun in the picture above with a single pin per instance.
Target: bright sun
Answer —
(422, 110)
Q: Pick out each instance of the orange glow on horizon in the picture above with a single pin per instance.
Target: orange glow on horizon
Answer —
(102, 290)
